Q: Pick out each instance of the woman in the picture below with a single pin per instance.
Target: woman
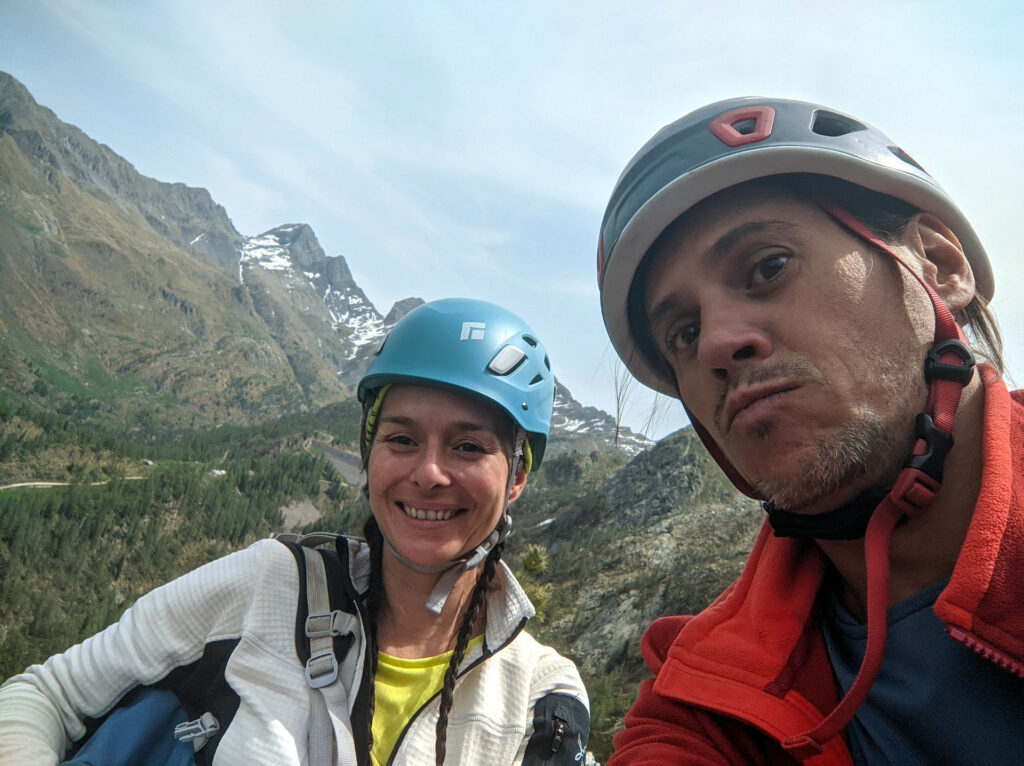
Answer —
(420, 655)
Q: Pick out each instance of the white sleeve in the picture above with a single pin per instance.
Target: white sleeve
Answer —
(42, 710)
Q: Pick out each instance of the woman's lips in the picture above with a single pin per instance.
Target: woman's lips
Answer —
(422, 514)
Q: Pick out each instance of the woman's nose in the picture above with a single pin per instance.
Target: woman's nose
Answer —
(430, 471)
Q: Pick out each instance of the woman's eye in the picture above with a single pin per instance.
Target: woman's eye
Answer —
(768, 268)
(399, 439)
(469, 447)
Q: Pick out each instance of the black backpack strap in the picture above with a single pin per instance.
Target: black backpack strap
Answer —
(327, 631)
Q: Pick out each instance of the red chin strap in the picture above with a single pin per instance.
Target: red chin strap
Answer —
(948, 369)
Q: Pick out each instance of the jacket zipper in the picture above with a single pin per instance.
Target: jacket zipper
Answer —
(556, 740)
(986, 650)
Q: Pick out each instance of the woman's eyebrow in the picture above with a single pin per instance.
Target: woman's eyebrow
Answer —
(397, 420)
(402, 420)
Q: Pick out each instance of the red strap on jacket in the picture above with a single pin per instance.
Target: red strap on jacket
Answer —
(913, 492)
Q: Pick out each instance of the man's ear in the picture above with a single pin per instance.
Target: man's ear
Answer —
(942, 260)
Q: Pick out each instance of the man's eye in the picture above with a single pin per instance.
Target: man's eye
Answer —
(768, 268)
(682, 336)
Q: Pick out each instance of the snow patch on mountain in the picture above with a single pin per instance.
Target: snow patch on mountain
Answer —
(267, 252)
(293, 252)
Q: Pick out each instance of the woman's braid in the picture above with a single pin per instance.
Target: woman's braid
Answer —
(373, 601)
(476, 601)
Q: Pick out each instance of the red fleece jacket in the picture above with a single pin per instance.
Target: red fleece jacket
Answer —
(734, 681)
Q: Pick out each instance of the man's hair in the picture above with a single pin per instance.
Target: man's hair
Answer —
(886, 216)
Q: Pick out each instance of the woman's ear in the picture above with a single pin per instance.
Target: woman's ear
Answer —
(942, 260)
(517, 487)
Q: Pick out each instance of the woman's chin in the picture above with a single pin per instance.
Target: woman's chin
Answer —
(435, 558)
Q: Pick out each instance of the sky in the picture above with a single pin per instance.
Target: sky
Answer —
(468, 148)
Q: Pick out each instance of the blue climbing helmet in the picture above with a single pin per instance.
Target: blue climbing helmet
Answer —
(731, 142)
(473, 346)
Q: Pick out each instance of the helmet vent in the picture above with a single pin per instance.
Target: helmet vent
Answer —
(906, 158)
(507, 360)
(536, 379)
(531, 341)
(547, 362)
(745, 127)
(831, 124)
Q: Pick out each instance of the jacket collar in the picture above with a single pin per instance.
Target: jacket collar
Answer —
(982, 603)
(508, 607)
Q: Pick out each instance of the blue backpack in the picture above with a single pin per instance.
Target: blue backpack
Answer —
(137, 732)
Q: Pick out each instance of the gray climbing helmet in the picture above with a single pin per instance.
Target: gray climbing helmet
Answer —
(731, 142)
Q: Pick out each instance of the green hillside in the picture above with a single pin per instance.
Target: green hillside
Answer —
(135, 515)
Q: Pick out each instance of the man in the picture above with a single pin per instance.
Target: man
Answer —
(803, 287)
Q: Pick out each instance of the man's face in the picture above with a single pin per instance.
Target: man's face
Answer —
(796, 345)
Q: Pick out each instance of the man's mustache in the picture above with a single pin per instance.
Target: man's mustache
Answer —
(795, 371)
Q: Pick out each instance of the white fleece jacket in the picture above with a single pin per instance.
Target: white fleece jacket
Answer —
(242, 609)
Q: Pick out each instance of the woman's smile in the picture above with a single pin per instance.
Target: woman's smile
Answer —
(427, 515)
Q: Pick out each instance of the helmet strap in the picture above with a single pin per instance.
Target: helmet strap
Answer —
(847, 522)
(948, 369)
(371, 417)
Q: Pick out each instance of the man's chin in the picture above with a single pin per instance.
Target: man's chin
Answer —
(798, 495)
(833, 472)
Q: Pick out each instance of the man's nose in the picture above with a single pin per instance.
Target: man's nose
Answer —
(731, 335)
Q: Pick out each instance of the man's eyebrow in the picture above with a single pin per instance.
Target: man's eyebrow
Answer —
(718, 250)
(728, 240)
(664, 306)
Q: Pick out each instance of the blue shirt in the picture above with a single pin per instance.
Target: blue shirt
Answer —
(935, 701)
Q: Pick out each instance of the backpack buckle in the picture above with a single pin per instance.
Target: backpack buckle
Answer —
(336, 623)
(323, 625)
(322, 669)
(198, 732)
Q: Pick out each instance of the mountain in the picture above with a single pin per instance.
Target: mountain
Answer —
(663, 534)
(624, 541)
(185, 216)
(137, 310)
(135, 301)
(107, 311)
(285, 270)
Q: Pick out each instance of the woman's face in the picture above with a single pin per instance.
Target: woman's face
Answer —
(438, 472)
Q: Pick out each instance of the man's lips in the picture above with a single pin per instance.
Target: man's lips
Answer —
(743, 398)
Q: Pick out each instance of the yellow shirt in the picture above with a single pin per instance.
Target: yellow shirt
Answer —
(401, 688)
